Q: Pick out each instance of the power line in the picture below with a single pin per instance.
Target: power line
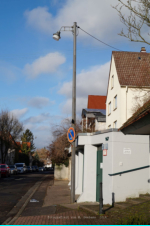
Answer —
(99, 40)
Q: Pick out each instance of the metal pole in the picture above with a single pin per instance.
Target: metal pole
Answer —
(113, 199)
(101, 199)
(73, 115)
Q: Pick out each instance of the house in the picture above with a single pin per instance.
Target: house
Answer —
(129, 81)
(139, 123)
(121, 162)
(7, 150)
(94, 116)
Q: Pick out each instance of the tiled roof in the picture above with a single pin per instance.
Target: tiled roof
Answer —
(133, 68)
(96, 102)
(140, 113)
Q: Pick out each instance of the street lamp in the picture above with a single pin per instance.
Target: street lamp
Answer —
(56, 37)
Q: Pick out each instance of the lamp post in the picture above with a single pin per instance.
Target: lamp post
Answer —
(56, 36)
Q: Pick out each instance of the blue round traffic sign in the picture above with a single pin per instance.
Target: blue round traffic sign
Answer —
(71, 134)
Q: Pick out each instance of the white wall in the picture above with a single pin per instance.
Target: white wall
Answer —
(61, 172)
(100, 125)
(76, 169)
(127, 185)
(133, 183)
(112, 92)
(79, 173)
(89, 180)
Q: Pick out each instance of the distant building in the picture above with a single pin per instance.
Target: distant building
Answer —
(94, 116)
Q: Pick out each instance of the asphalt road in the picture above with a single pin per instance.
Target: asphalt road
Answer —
(12, 189)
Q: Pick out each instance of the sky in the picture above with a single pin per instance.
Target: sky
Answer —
(36, 71)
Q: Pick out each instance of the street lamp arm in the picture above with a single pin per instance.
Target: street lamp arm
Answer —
(66, 28)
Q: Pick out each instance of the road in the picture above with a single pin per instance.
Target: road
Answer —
(14, 188)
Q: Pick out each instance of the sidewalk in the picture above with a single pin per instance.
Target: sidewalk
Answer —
(54, 208)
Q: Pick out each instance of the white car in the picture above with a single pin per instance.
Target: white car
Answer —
(13, 169)
(21, 167)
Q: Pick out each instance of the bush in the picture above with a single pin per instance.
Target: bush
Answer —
(134, 220)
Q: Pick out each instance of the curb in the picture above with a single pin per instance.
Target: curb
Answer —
(89, 210)
(22, 203)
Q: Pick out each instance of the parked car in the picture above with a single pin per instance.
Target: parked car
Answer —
(13, 169)
(33, 169)
(41, 169)
(5, 170)
(21, 167)
(36, 168)
(29, 169)
(44, 168)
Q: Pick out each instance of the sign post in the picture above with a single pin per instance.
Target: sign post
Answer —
(71, 138)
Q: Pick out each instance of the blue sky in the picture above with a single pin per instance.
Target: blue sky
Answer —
(36, 71)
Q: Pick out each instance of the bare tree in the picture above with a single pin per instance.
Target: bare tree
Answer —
(139, 100)
(10, 130)
(43, 154)
(59, 146)
(139, 16)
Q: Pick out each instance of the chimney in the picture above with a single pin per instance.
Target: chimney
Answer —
(143, 50)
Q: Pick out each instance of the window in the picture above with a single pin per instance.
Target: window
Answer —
(115, 102)
(112, 82)
(115, 124)
(109, 108)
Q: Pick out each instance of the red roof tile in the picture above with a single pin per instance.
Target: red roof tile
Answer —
(133, 68)
(96, 102)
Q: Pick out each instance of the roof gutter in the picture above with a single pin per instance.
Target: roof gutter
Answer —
(126, 101)
(131, 86)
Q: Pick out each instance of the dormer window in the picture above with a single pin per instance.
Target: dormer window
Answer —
(112, 82)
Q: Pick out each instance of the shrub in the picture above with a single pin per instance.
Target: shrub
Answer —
(134, 220)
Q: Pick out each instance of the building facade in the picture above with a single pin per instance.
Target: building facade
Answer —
(128, 83)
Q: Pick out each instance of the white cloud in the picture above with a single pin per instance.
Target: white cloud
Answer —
(38, 119)
(91, 82)
(96, 17)
(41, 126)
(39, 102)
(39, 18)
(46, 64)
(18, 113)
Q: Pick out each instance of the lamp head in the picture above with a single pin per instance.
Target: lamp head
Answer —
(56, 36)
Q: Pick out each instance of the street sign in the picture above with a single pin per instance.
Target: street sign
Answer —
(71, 134)
(105, 146)
(105, 152)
